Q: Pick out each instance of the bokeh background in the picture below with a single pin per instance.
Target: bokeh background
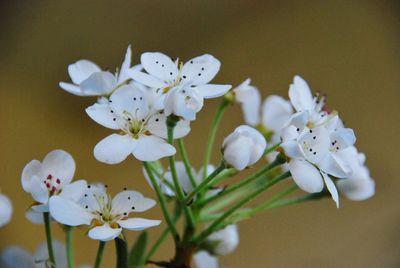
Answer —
(347, 49)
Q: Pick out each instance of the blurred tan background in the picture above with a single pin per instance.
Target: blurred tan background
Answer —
(347, 49)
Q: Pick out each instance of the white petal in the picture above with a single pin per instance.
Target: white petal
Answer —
(276, 112)
(213, 91)
(6, 210)
(128, 201)
(104, 233)
(156, 124)
(343, 138)
(114, 149)
(300, 95)
(138, 224)
(126, 64)
(299, 120)
(71, 88)
(41, 208)
(315, 144)
(131, 100)
(146, 79)
(60, 256)
(74, 191)
(68, 212)
(15, 256)
(237, 153)
(101, 114)
(92, 194)
(341, 164)
(331, 188)
(292, 149)
(34, 216)
(200, 70)
(183, 102)
(227, 240)
(360, 186)
(33, 168)
(159, 65)
(60, 165)
(152, 148)
(306, 176)
(81, 70)
(250, 99)
(100, 83)
(202, 259)
(39, 191)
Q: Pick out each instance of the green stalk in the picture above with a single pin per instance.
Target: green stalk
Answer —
(186, 162)
(46, 218)
(68, 242)
(272, 148)
(121, 249)
(99, 255)
(215, 225)
(211, 137)
(245, 181)
(206, 182)
(163, 203)
(299, 199)
(171, 123)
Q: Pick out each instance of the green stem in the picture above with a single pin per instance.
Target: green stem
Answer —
(211, 137)
(99, 255)
(186, 162)
(171, 123)
(272, 148)
(68, 241)
(46, 218)
(206, 182)
(299, 199)
(238, 205)
(245, 181)
(163, 203)
(122, 252)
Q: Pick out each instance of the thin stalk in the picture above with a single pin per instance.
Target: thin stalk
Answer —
(161, 176)
(171, 123)
(299, 199)
(206, 182)
(121, 249)
(243, 182)
(99, 255)
(272, 148)
(46, 218)
(211, 137)
(163, 203)
(234, 208)
(68, 242)
(186, 162)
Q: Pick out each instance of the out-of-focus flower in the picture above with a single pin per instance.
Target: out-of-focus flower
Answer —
(359, 186)
(182, 88)
(107, 217)
(49, 178)
(89, 80)
(203, 259)
(224, 241)
(6, 210)
(143, 130)
(243, 147)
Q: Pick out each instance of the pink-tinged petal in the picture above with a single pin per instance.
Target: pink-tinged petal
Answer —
(100, 83)
(59, 164)
(159, 65)
(74, 191)
(103, 115)
(152, 148)
(138, 224)
(71, 88)
(129, 201)
(81, 70)
(33, 168)
(200, 70)
(114, 149)
(68, 212)
(331, 188)
(210, 91)
(300, 95)
(104, 233)
(306, 176)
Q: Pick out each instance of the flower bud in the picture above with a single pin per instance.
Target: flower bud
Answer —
(225, 240)
(243, 147)
(183, 102)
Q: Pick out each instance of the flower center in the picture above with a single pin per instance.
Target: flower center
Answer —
(53, 185)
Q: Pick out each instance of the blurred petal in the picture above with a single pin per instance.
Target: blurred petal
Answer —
(60, 165)
(99, 83)
(33, 168)
(138, 224)
(213, 91)
(68, 212)
(81, 70)
(306, 176)
(331, 188)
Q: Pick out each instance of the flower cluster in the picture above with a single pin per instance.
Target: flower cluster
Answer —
(150, 107)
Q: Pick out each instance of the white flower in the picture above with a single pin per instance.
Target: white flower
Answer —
(359, 186)
(89, 80)
(49, 178)
(6, 210)
(250, 99)
(107, 217)
(183, 102)
(190, 80)
(243, 147)
(142, 130)
(306, 152)
(225, 240)
(15, 256)
(203, 259)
